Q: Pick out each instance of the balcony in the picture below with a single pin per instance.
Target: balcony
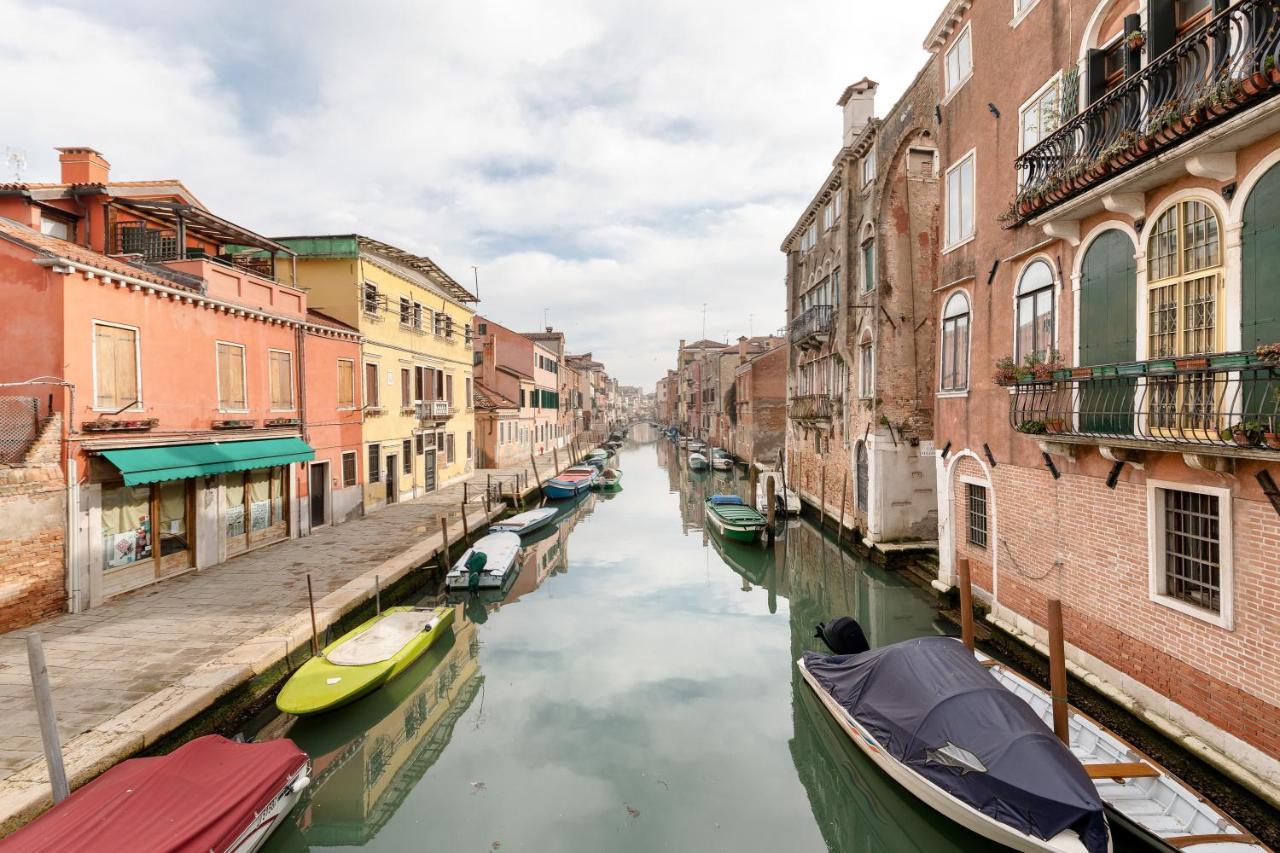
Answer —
(1217, 71)
(1222, 404)
(813, 327)
(433, 410)
(813, 408)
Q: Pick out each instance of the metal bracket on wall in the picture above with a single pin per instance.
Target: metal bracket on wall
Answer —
(986, 448)
(1269, 489)
(1114, 476)
(946, 448)
(1048, 463)
(991, 276)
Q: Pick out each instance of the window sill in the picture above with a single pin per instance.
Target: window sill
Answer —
(951, 395)
(955, 90)
(233, 411)
(956, 245)
(1220, 620)
(134, 409)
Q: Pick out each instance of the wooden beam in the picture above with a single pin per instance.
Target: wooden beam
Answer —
(1121, 770)
(1180, 841)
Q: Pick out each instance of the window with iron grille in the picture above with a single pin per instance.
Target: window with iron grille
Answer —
(1192, 548)
(407, 454)
(348, 469)
(977, 533)
(375, 463)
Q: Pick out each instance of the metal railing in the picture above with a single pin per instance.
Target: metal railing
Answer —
(157, 245)
(813, 407)
(1223, 400)
(813, 322)
(1225, 66)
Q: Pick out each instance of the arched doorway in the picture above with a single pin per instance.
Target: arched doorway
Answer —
(1108, 330)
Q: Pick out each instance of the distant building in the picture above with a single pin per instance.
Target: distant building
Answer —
(757, 407)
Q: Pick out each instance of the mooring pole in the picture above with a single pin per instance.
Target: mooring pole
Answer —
(534, 462)
(48, 719)
(844, 496)
(466, 533)
(444, 539)
(752, 478)
(771, 511)
(555, 458)
(377, 596)
(822, 516)
(1058, 672)
(311, 603)
(966, 601)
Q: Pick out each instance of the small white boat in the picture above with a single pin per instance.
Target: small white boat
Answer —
(1141, 793)
(697, 445)
(698, 462)
(524, 522)
(786, 500)
(720, 460)
(500, 550)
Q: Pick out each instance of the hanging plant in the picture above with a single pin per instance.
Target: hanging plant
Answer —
(1135, 39)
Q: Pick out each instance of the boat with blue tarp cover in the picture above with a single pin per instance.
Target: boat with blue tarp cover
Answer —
(730, 516)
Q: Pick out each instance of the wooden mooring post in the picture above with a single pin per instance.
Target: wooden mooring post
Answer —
(311, 603)
(1058, 672)
(822, 514)
(377, 596)
(966, 601)
(752, 478)
(844, 496)
(771, 508)
(444, 540)
(48, 719)
(466, 532)
(555, 458)
(534, 462)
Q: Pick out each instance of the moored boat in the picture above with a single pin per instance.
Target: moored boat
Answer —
(208, 794)
(698, 462)
(939, 724)
(524, 523)
(570, 482)
(499, 551)
(786, 501)
(721, 460)
(363, 659)
(729, 516)
(610, 480)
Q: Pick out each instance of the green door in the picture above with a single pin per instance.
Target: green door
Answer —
(1108, 331)
(1260, 295)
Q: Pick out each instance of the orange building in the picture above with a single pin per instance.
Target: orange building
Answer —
(204, 410)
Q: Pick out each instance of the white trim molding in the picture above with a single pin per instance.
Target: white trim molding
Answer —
(1224, 618)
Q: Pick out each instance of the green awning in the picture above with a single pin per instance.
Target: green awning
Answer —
(179, 461)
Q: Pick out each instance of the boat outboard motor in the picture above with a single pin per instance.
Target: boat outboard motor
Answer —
(843, 635)
(475, 567)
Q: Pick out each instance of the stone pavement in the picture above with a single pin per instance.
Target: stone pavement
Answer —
(136, 668)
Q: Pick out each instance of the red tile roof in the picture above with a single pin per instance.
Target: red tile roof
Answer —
(55, 249)
(486, 399)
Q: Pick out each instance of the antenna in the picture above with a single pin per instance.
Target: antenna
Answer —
(544, 317)
(17, 160)
(704, 321)
(751, 325)
(475, 272)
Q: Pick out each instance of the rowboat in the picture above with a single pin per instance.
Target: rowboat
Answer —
(524, 523)
(697, 445)
(610, 480)
(733, 519)
(1140, 794)
(720, 460)
(570, 482)
(499, 551)
(209, 794)
(698, 462)
(939, 724)
(363, 659)
(786, 500)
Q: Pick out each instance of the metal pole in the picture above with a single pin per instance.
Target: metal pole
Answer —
(48, 719)
(966, 601)
(311, 603)
(844, 495)
(466, 533)
(822, 516)
(1058, 672)
(377, 596)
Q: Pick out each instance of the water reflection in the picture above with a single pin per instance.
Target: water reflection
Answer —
(641, 697)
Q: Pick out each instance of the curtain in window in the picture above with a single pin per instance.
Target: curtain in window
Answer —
(173, 517)
(259, 485)
(126, 525)
(234, 489)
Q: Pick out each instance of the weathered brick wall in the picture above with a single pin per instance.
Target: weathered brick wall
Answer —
(32, 512)
(1076, 540)
(980, 559)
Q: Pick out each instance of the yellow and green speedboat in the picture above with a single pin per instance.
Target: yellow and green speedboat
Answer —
(363, 659)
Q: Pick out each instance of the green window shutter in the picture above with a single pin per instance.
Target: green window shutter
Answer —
(1162, 32)
(1260, 250)
(1108, 331)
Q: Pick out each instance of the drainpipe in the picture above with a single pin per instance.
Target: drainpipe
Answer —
(300, 344)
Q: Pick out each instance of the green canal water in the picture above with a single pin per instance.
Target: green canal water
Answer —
(634, 690)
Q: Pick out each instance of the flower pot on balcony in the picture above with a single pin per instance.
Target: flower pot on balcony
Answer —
(1160, 365)
(1136, 368)
(1273, 75)
(1054, 425)
(1244, 434)
(1191, 363)
(1104, 371)
(1273, 440)
(1255, 84)
(1062, 373)
(1081, 372)
(1231, 360)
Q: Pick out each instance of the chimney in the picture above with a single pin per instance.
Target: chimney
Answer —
(859, 103)
(83, 166)
(742, 346)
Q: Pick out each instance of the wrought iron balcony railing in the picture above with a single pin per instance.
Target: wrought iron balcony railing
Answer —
(1220, 401)
(813, 407)
(1224, 67)
(812, 326)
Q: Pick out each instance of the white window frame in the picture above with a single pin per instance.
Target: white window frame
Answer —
(354, 398)
(137, 363)
(293, 389)
(952, 86)
(869, 168)
(869, 281)
(1225, 618)
(244, 375)
(942, 322)
(970, 155)
(1020, 13)
(1054, 82)
(866, 372)
(342, 473)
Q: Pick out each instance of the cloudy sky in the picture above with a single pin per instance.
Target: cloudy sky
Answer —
(615, 164)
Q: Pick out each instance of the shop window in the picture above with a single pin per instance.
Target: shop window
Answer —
(116, 375)
(126, 525)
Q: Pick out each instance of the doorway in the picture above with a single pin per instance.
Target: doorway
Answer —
(393, 466)
(318, 489)
(429, 469)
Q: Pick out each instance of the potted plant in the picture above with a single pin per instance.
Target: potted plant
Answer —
(1033, 427)
(1135, 40)
(1244, 433)
(1269, 66)
(1271, 437)
(1268, 353)
(1041, 367)
(1007, 371)
(1191, 362)
(1054, 425)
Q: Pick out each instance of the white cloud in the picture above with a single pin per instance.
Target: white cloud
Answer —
(619, 164)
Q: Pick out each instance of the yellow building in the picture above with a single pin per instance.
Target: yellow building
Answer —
(417, 322)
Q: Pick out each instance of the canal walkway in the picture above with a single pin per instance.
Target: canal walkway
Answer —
(137, 668)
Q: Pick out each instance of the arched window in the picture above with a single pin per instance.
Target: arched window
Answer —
(866, 367)
(861, 475)
(1184, 279)
(1034, 312)
(955, 343)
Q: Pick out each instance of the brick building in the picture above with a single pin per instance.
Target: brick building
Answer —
(860, 274)
(1106, 420)
(32, 514)
(758, 407)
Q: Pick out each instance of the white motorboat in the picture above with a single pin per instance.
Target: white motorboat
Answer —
(721, 460)
(698, 462)
(524, 522)
(500, 551)
(786, 500)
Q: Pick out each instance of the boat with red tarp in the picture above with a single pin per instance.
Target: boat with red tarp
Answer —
(211, 794)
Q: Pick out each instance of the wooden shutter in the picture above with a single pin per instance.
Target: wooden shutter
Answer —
(116, 354)
(1097, 66)
(1108, 330)
(1161, 28)
(281, 381)
(346, 385)
(1132, 55)
(439, 384)
(231, 393)
(448, 389)
(1260, 242)
(405, 396)
(371, 392)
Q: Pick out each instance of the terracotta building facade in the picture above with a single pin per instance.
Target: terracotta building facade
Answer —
(1106, 409)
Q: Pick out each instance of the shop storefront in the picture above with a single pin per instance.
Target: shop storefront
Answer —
(165, 510)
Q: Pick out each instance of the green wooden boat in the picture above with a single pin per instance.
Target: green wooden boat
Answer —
(730, 517)
(363, 659)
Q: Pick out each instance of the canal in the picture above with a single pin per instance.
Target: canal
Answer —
(634, 690)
